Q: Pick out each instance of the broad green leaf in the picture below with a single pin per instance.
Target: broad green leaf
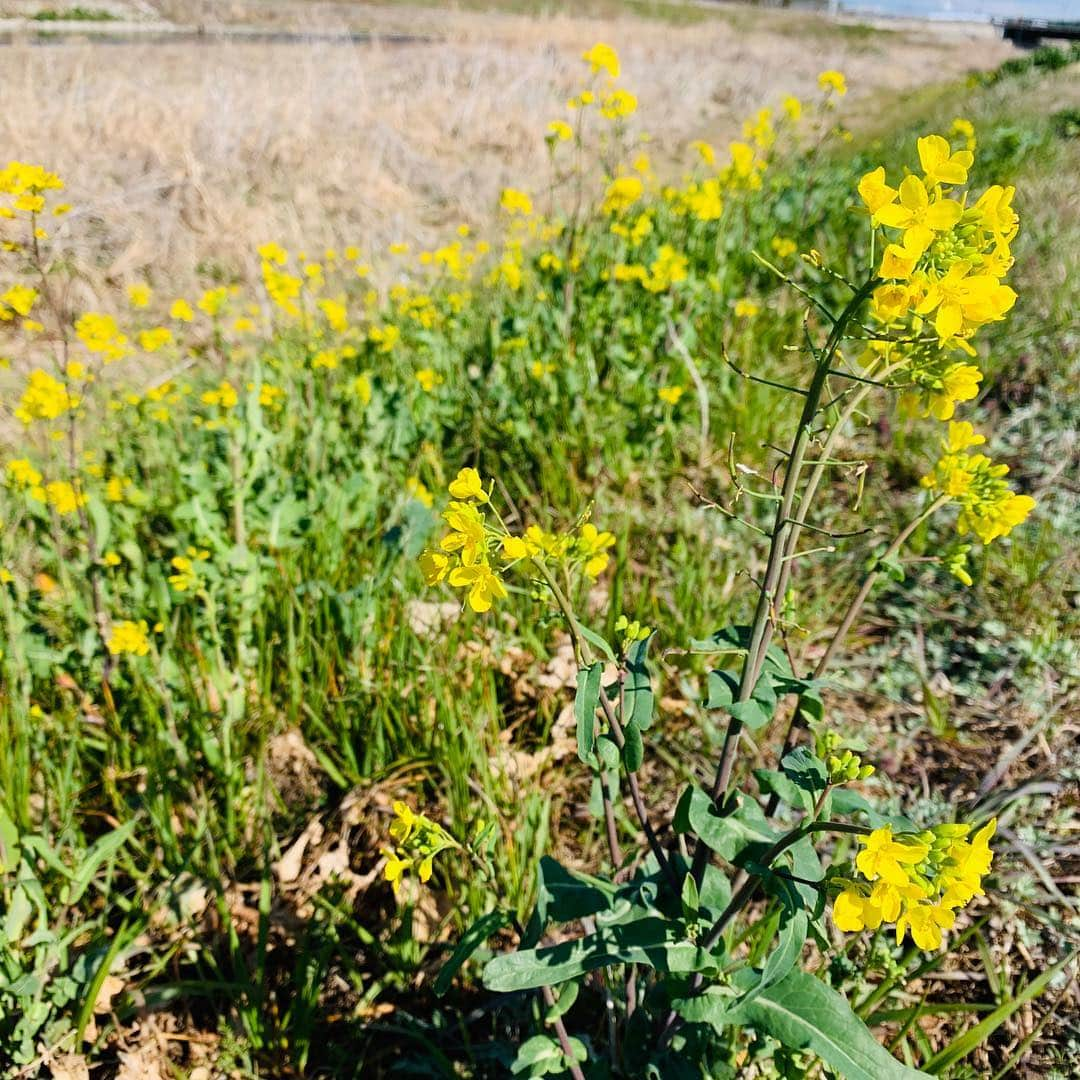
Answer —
(470, 941)
(594, 639)
(538, 1056)
(637, 692)
(585, 701)
(565, 896)
(715, 891)
(774, 782)
(802, 1013)
(9, 843)
(754, 713)
(736, 639)
(567, 996)
(789, 944)
(742, 832)
(634, 749)
(658, 943)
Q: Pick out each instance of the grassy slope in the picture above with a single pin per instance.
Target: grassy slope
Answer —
(383, 709)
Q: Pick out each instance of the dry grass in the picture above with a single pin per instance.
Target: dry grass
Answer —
(187, 155)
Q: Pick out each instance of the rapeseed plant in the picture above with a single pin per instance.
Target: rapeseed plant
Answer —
(341, 396)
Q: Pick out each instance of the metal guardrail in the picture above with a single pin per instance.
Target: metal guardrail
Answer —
(1029, 33)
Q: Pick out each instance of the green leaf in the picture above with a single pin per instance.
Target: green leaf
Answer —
(789, 944)
(691, 901)
(9, 844)
(801, 1012)
(99, 518)
(754, 713)
(593, 638)
(567, 996)
(538, 1056)
(658, 943)
(715, 891)
(736, 639)
(565, 896)
(637, 691)
(634, 749)
(744, 831)
(470, 941)
(102, 851)
(585, 701)
(774, 782)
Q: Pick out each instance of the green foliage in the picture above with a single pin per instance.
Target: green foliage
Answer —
(300, 618)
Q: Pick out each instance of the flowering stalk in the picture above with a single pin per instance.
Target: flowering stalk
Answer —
(784, 533)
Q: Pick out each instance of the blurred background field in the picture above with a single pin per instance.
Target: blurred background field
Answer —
(204, 824)
(178, 156)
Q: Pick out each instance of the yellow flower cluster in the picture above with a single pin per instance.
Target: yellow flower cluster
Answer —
(917, 882)
(129, 637)
(943, 261)
(45, 398)
(25, 186)
(989, 508)
(667, 269)
(101, 336)
(186, 576)
(16, 302)
(418, 841)
(465, 555)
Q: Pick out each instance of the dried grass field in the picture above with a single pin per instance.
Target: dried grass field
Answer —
(536, 542)
(184, 156)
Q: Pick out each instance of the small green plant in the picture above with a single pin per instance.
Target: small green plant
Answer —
(75, 14)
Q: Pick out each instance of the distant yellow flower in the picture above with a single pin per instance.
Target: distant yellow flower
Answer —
(516, 202)
(670, 394)
(428, 378)
(224, 396)
(273, 253)
(139, 294)
(419, 492)
(360, 388)
(783, 247)
(746, 309)
(22, 474)
(560, 131)
(213, 301)
(833, 81)
(44, 398)
(602, 57)
(793, 108)
(156, 338)
(63, 497)
(129, 637)
(181, 311)
(621, 194)
(705, 151)
(100, 334)
(18, 300)
(618, 104)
